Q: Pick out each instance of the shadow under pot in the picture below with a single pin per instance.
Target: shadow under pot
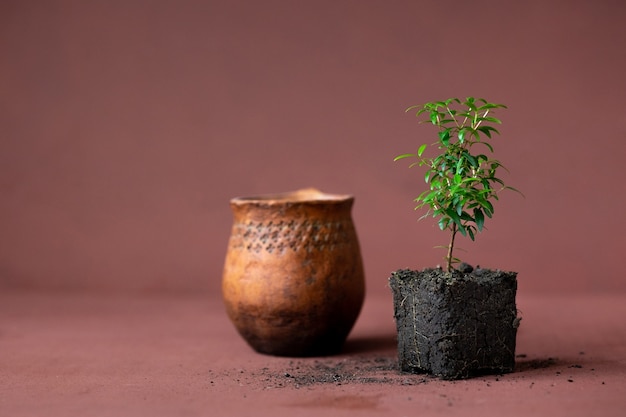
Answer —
(293, 282)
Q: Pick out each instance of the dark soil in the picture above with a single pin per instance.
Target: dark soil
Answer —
(349, 371)
(372, 370)
(455, 325)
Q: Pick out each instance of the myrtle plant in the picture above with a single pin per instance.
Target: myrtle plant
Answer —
(462, 181)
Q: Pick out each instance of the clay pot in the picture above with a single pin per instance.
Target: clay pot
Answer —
(293, 282)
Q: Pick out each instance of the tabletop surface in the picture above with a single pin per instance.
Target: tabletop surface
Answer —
(79, 354)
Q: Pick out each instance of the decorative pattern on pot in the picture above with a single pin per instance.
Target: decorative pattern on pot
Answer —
(293, 281)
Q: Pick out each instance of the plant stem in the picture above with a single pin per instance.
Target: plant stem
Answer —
(450, 248)
(478, 124)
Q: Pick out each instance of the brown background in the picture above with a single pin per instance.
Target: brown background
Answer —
(126, 126)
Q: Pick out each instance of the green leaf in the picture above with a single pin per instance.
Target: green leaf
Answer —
(435, 178)
(421, 149)
(461, 135)
(469, 102)
(405, 155)
(444, 137)
(487, 145)
(515, 189)
(466, 216)
(486, 105)
(487, 130)
(450, 212)
(459, 166)
(479, 219)
(491, 119)
(488, 208)
(473, 162)
(421, 196)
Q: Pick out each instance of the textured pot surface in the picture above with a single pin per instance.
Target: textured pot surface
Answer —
(455, 325)
(293, 281)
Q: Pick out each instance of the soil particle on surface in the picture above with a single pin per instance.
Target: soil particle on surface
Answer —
(381, 370)
(359, 370)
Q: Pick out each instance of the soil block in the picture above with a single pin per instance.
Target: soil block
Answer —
(455, 325)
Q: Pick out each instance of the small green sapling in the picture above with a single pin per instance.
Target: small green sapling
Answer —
(462, 179)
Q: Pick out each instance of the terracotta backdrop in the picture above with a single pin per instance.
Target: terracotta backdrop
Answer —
(126, 126)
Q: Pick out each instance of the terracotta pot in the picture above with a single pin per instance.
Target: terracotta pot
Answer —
(293, 280)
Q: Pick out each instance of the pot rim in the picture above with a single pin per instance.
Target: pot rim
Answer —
(304, 195)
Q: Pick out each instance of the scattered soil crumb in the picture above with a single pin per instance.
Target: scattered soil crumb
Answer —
(533, 364)
(303, 372)
(359, 370)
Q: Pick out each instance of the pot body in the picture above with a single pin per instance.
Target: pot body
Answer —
(293, 282)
